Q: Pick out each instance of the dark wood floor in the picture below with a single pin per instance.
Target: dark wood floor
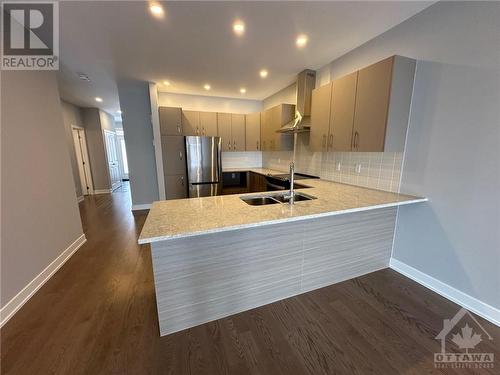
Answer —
(97, 315)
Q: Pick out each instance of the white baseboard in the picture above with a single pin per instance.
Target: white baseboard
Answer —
(80, 198)
(138, 207)
(482, 309)
(29, 290)
(102, 191)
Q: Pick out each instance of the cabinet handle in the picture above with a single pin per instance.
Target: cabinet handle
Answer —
(229, 145)
(331, 141)
(179, 129)
(324, 140)
(234, 145)
(197, 131)
(356, 140)
(257, 145)
(203, 132)
(182, 180)
(180, 155)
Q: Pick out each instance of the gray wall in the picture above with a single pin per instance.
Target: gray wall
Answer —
(452, 154)
(39, 213)
(72, 115)
(96, 148)
(138, 134)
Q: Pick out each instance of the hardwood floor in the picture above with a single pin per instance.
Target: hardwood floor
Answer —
(97, 315)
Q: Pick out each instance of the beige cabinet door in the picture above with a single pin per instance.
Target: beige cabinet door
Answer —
(320, 118)
(238, 132)
(224, 130)
(208, 124)
(174, 158)
(372, 102)
(176, 186)
(170, 121)
(265, 124)
(342, 113)
(191, 122)
(252, 132)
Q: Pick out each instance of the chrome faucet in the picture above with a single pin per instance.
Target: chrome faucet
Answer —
(292, 193)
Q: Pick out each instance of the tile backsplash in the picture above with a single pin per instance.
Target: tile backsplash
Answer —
(249, 159)
(377, 170)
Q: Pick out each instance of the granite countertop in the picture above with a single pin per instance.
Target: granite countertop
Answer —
(196, 216)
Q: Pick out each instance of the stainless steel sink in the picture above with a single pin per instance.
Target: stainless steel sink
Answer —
(284, 197)
(259, 201)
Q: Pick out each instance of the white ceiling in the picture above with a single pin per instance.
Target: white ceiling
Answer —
(194, 44)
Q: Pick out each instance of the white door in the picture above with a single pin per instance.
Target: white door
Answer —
(122, 154)
(113, 164)
(82, 159)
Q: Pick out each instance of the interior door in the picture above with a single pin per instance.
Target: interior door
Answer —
(112, 155)
(82, 159)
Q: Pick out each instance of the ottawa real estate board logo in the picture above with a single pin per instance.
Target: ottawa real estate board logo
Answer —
(30, 35)
(465, 334)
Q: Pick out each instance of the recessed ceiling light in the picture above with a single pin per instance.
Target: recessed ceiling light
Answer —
(98, 99)
(207, 87)
(156, 10)
(301, 41)
(166, 83)
(263, 73)
(243, 90)
(239, 27)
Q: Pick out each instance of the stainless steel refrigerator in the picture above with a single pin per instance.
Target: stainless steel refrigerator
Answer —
(203, 158)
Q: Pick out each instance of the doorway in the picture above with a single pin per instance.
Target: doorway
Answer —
(123, 154)
(113, 159)
(82, 159)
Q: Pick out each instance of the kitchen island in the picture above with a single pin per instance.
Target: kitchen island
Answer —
(216, 256)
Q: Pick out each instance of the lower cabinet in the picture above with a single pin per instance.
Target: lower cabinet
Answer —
(257, 183)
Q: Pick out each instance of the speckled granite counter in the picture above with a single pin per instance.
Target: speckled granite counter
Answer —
(190, 217)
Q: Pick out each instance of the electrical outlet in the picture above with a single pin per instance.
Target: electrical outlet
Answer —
(358, 168)
(338, 166)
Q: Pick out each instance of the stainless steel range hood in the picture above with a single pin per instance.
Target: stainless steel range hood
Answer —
(306, 81)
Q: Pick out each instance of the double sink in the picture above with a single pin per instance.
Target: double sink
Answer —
(276, 198)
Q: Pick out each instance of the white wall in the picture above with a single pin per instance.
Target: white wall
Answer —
(452, 155)
(209, 103)
(39, 214)
(287, 95)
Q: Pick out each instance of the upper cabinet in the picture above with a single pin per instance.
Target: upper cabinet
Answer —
(199, 123)
(232, 131)
(271, 120)
(208, 124)
(252, 132)
(170, 121)
(191, 122)
(365, 111)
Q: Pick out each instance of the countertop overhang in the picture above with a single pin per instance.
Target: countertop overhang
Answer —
(179, 218)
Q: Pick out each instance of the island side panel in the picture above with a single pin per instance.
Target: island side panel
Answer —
(207, 277)
(342, 247)
(203, 278)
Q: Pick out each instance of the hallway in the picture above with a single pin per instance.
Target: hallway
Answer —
(97, 315)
